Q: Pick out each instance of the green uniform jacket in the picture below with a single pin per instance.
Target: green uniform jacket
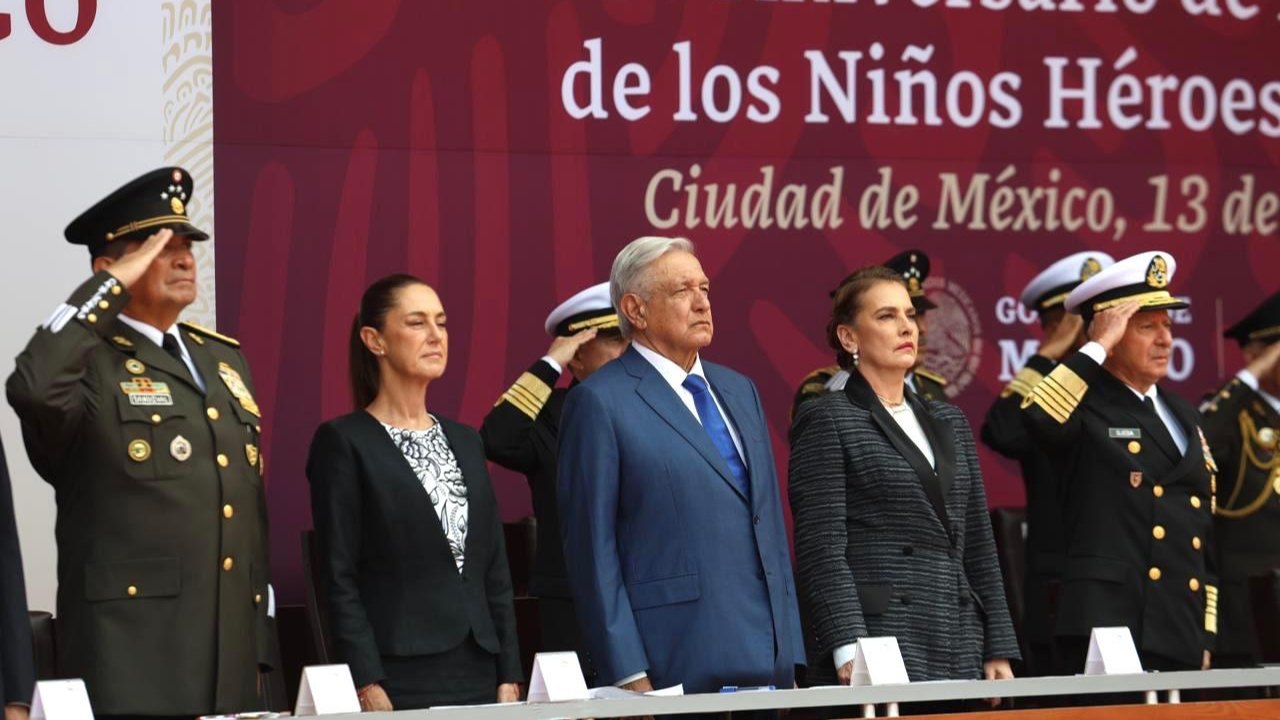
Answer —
(1243, 432)
(930, 385)
(162, 518)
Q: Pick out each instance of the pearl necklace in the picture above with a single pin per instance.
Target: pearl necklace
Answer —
(896, 409)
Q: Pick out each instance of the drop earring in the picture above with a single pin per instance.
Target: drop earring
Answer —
(855, 357)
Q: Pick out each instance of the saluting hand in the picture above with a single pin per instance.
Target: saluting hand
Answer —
(1109, 325)
(1265, 363)
(563, 349)
(1064, 334)
(133, 265)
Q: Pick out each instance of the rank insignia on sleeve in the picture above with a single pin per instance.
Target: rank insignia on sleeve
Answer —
(236, 385)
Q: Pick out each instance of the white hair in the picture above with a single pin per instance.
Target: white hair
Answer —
(630, 272)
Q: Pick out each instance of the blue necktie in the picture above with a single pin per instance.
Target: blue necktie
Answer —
(716, 427)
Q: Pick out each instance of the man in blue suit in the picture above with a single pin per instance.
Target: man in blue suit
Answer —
(672, 523)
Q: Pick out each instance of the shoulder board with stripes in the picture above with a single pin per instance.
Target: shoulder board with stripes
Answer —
(931, 375)
(200, 329)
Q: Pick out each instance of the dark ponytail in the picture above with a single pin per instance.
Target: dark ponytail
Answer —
(376, 302)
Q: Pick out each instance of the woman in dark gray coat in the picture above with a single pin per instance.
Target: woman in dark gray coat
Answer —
(891, 526)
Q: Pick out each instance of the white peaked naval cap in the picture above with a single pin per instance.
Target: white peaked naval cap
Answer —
(1144, 278)
(1050, 288)
(590, 308)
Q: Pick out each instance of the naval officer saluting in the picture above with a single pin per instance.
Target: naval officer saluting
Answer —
(1137, 477)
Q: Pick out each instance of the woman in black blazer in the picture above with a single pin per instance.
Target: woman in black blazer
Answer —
(420, 599)
(891, 527)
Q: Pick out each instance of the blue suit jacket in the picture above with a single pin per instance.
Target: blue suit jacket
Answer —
(674, 571)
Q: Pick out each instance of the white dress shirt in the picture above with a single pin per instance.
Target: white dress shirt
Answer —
(154, 334)
(1098, 354)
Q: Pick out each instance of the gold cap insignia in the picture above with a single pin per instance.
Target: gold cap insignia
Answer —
(180, 449)
(139, 450)
(1090, 268)
(176, 203)
(135, 366)
(1158, 272)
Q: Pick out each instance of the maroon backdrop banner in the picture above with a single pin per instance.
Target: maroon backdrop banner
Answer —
(505, 151)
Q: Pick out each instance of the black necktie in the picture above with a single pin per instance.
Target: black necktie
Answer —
(1165, 436)
(170, 345)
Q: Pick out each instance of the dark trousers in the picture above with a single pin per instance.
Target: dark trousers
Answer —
(559, 624)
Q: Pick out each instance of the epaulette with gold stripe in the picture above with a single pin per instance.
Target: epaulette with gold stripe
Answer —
(528, 395)
(200, 329)
(821, 375)
(1022, 383)
(930, 375)
(1058, 394)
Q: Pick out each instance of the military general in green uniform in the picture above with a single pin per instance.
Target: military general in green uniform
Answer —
(148, 431)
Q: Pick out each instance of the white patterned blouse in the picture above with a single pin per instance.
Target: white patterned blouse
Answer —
(431, 459)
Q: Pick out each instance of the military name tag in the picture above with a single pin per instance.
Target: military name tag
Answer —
(1124, 433)
(142, 391)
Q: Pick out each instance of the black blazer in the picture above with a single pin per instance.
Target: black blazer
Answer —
(17, 668)
(886, 545)
(393, 586)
